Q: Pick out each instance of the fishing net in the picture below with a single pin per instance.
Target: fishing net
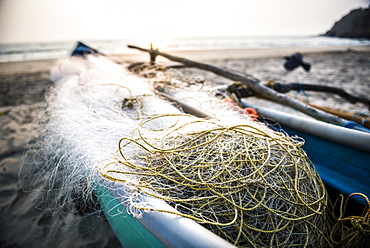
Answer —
(345, 231)
(87, 112)
(247, 184)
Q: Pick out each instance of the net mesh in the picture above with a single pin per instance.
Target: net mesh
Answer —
(250, 186)
(240, 179)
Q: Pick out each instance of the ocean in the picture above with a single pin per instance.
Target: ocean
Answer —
(53, 50)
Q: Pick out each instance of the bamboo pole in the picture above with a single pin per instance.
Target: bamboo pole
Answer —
(254, 85)
(185, 107)
(284, 88)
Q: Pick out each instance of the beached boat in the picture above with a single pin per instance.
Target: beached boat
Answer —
(341, 156)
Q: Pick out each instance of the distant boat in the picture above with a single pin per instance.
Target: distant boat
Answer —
(83, 50)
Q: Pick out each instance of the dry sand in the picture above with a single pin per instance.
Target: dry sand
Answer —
(23, 85)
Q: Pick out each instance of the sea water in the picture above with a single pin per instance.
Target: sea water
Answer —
(54, 50)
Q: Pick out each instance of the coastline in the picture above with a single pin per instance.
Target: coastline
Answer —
(29, 66)
(222, 54)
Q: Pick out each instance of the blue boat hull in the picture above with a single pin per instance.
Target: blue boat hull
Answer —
(343, 168)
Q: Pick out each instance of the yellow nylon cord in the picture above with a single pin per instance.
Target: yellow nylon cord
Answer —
(252, 187)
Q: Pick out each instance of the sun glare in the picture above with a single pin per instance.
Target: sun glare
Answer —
(159, 42)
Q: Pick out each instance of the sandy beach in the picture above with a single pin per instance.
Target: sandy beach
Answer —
(24, 84)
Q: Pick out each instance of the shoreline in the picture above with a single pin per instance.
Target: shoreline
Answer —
(246, 53)
(30, 66)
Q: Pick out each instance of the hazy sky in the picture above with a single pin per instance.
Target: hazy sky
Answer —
(53, 20)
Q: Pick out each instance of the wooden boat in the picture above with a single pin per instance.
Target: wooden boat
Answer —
(341, 156)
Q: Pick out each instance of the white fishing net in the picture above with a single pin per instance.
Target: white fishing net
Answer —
(81, 126)
(245, 182)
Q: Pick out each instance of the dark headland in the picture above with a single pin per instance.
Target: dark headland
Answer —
(356, 24)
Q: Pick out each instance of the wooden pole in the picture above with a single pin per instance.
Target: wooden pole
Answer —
(152, 54)
(284, 88)
(255, 86)
(185, 107)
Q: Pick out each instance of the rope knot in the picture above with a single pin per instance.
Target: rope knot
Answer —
(129, 102)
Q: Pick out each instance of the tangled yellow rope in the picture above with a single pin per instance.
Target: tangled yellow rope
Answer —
(249, 185)
(352, 231)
